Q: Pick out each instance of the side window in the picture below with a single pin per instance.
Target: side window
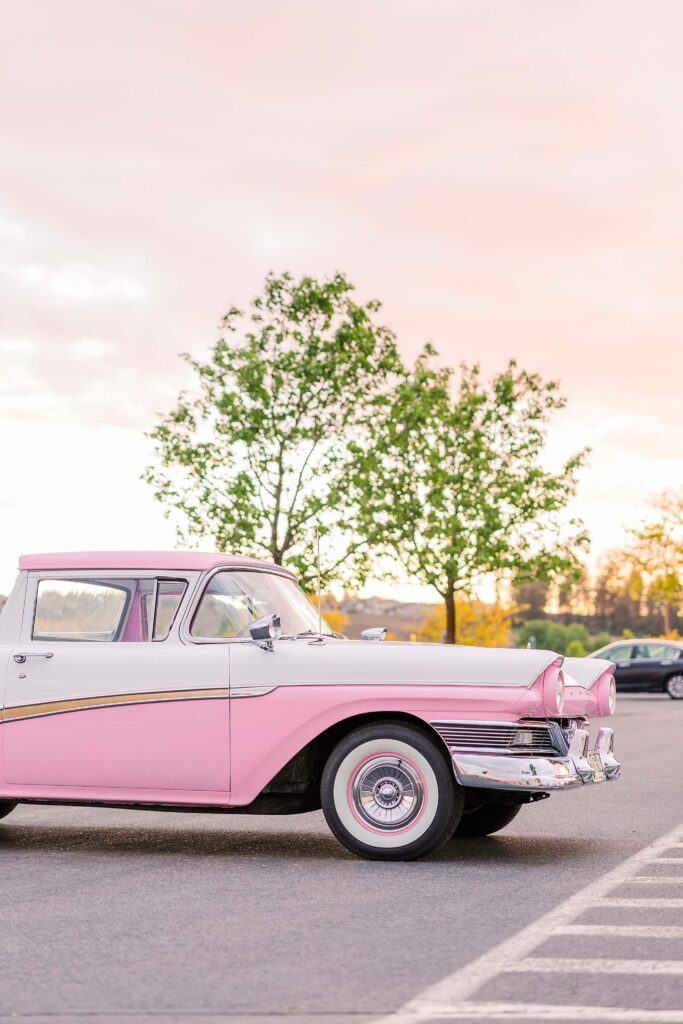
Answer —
(657, 652)
(161, 607)
(80, 610)
(621, 653)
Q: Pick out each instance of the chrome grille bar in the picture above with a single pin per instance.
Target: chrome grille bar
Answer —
(535, 738)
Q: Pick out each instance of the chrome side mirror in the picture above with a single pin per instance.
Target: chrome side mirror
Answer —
(375, 633)
(266, 629)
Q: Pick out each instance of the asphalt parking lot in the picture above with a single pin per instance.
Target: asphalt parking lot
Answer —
(132, 916)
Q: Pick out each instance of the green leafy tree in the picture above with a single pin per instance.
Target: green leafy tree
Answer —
(256, 460)
(457, 486)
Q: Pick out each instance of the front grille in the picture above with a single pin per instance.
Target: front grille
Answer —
(536, 739)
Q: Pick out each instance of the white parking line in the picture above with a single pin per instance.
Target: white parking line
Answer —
(448, 998)
(646, 901)
(596, 965)
(636, 931)
(655, 880)
(539, 1011)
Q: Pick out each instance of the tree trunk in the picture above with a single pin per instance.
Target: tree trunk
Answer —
(451, 624)
(666, 615)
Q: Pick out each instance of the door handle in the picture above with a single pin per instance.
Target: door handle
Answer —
(21, 658)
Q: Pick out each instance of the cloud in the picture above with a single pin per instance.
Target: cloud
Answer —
(505, 177)
(79, 283)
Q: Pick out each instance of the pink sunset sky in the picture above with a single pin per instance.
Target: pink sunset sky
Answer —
(506, 176)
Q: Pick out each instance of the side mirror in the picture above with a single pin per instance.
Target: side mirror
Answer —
(266, 629)
(376, 633)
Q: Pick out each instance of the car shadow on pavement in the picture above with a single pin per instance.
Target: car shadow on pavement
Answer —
(177, 842)
(135, 840)
(518, 849)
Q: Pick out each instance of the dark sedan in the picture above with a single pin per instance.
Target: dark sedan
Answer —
(653, 666)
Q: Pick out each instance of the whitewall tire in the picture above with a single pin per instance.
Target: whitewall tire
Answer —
(388, 792)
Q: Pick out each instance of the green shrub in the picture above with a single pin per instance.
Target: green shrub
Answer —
(575, 649)
(577, 631)
(600, 640)
(572, 640)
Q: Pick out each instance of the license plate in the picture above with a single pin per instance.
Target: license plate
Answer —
(596, 765)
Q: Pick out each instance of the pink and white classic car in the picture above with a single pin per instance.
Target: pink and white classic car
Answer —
(168, 680)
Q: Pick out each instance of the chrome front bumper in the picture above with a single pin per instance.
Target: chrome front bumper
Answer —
(577, 767)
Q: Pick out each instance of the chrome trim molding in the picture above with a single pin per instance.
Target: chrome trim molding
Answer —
(250, 691)
(20, 712)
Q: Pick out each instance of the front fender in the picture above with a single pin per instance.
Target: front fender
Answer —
(267, 731)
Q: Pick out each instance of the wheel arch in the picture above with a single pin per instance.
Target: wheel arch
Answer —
(301, 775)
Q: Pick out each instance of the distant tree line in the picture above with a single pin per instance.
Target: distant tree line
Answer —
(637, 588)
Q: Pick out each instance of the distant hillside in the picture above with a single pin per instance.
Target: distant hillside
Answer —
(400, 617)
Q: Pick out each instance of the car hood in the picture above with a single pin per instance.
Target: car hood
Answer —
(585, 672)
(345, 662)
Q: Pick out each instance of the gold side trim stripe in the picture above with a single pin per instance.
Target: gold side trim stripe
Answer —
(60, 707)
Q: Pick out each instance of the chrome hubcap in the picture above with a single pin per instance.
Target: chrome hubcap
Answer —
(387, 793)
(675, 686)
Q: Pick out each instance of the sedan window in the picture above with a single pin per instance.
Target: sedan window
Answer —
(621, 653)
(657, 652)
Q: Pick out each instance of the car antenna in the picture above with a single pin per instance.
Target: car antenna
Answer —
(319, 638)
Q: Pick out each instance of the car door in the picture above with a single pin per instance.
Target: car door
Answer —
(622, 656)
(652, 663)
(101, 702)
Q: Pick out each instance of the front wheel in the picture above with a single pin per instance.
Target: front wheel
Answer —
(674, 686)
(6, 807)
(388, 793)
(487, 817)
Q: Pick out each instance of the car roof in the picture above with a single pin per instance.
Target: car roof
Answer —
(636, 640)
(643, 640)
(198, 561)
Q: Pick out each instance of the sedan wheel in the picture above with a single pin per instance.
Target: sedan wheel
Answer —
(674, 686)
(388, 793)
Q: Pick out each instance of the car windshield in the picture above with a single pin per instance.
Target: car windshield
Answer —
(234, 598)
